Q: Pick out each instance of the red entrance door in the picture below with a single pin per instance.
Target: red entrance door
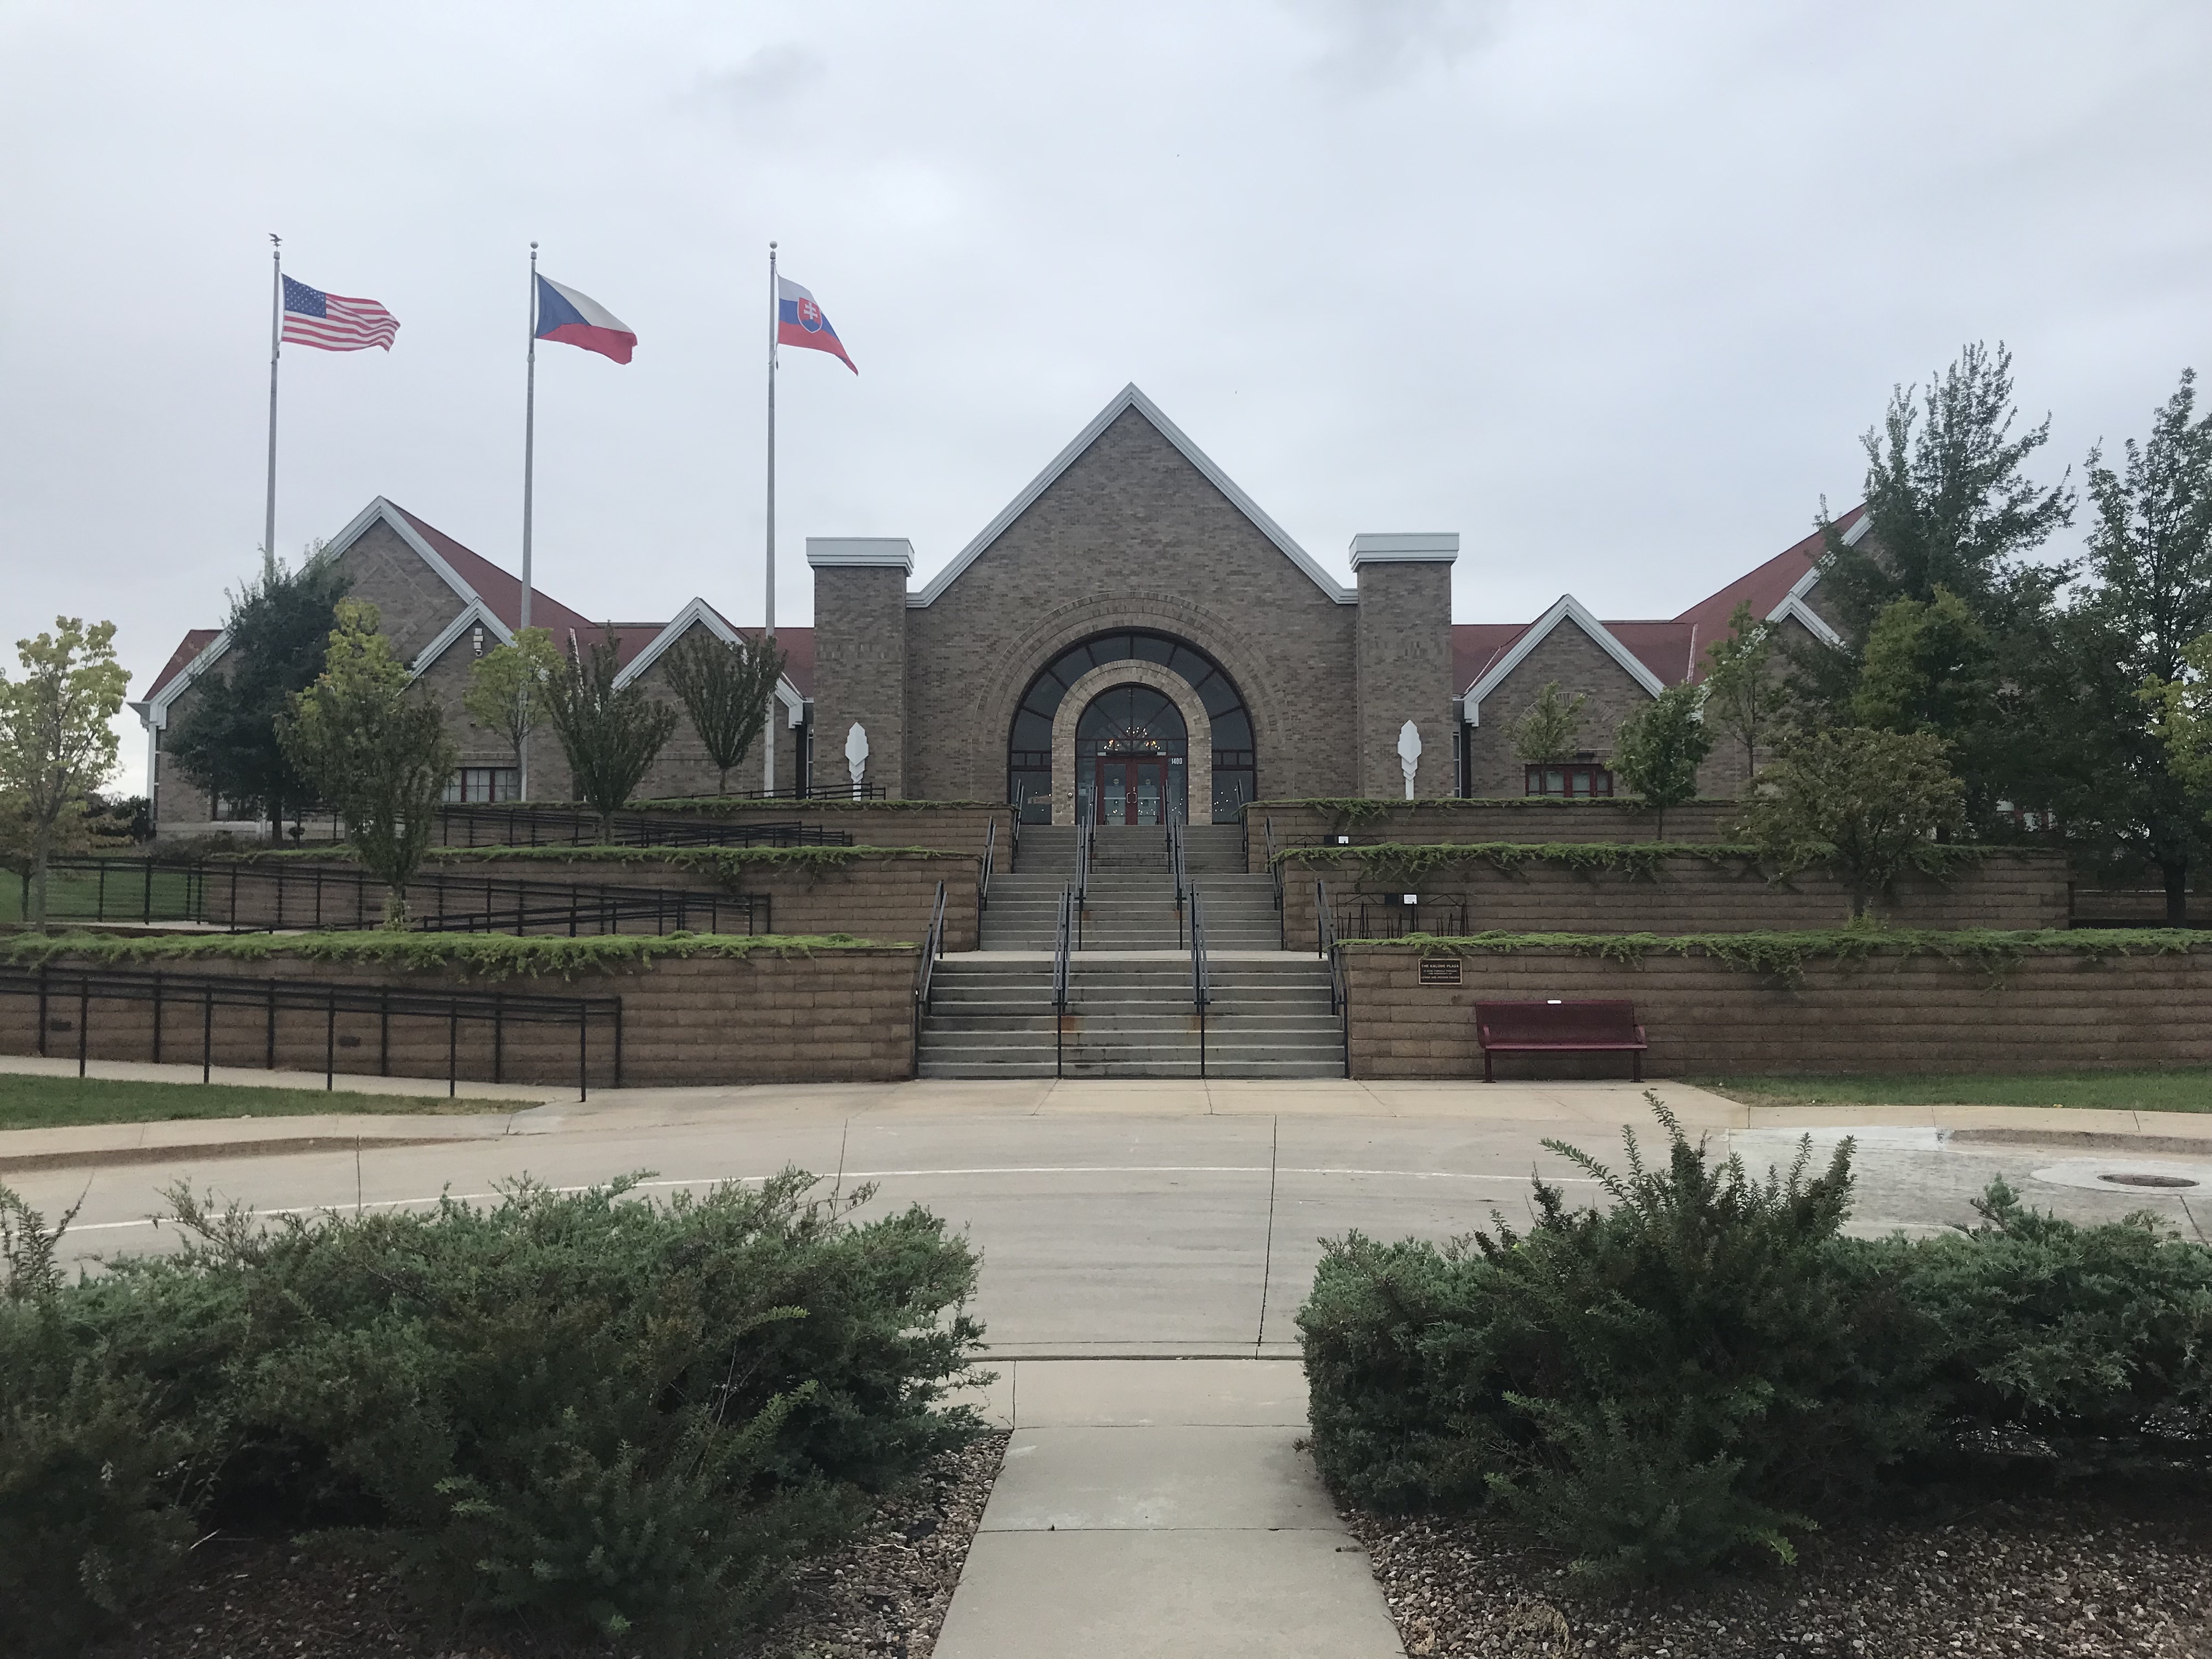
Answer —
(1132, 791)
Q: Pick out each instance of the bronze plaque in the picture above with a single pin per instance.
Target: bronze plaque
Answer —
(1439, 970)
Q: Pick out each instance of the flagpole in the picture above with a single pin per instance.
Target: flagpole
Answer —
(276, 341)
(768, 633)
(529, 468)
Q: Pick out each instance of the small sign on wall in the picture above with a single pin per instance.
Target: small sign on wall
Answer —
(1439, 970)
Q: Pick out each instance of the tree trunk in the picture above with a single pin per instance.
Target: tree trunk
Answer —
(2177, 892)
(34, 889)
(395, 907)
(722, 783)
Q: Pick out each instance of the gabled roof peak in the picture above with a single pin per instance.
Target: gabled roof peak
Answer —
(1131, 397)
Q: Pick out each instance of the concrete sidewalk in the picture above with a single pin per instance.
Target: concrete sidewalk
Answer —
(1165, 1509)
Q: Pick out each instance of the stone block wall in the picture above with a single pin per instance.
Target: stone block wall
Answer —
(2052, 1010)
(1404, 673)
(1701, 823)
(882, 896)
(1689, 895)
(837, 1016)
(945, 826)
(860, 673)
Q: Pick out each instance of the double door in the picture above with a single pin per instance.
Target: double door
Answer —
(1131, 789)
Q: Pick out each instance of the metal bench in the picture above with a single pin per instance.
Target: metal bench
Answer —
(1558, 1027)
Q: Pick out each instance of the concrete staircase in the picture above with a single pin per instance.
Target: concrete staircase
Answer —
(1131, 1014)
(1132, 1018)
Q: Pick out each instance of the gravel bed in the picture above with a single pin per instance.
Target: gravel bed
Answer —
(882, 1596)
(2053, 1580)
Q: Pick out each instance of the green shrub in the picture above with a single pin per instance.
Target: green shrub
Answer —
(603, 1412)
(1709, 1364)
(1650, 1386)
(2077, 1335)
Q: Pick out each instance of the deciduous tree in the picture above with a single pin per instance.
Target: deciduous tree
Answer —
(610, 734)
(57, 742)
(726, 689)
(1863, 801)
(506, 691)
(1659, 748)
(1745, 698)
(1551, 729)
(376, 749)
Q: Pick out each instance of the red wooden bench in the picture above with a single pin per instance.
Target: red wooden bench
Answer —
(1558, 1027)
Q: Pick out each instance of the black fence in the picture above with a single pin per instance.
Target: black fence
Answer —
(543, 826)
(261, 897)
(1359, 917)
(194, 999)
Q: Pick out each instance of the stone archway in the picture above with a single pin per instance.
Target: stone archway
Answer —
(1199, 768)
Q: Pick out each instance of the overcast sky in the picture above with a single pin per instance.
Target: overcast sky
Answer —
(1609, 289)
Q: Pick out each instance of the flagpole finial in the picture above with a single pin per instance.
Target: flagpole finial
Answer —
(275, 238)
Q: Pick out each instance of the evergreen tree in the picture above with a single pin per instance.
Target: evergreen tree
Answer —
(2126, 800)
(1659, 748)
(727, 690)
(376, 749)
(280, 628)
(609, 734)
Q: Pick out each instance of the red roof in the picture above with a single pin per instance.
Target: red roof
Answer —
(196, 641)
(1475, 646)
(1762, 589)
(1661, 647)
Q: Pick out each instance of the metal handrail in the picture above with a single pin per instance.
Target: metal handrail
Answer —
(269, 997)
(1179, 870)
(1083, 833)
(1063, 937)
(1325, 945)
(990, 858)
(343, 898)
(933, 948)
(1274, 870)
(1202, 973)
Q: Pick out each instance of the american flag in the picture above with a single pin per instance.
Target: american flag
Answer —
(333, 322)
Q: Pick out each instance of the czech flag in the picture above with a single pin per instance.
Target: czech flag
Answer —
(578, 319)
(799, 322)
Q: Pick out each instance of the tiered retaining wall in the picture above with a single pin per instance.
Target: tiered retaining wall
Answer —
(2052, 1008)
(886, 895)
(824, 1015)
(1684, 894)
(950, 826)
(1310, 824)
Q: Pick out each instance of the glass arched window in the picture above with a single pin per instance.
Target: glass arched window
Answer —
(1029, 748)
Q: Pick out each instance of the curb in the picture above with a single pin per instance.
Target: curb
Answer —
(189, 1151)
(2090, 1140)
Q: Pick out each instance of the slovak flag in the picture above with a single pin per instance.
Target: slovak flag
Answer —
(578, 319)
(799, 322)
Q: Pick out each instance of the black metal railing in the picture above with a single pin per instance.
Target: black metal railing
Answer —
(1325, 945)
(1082, 887)
(1062, 942)
(933, 948)
(1179, 871)
(983, 873)
(1202, 973)
(204, 993)
(813, 791)
(271, 894)
(543, 826)
(1359, 917)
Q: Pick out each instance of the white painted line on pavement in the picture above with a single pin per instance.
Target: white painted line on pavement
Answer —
(885, 1175)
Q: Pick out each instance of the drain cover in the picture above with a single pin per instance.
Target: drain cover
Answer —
(2137, 1178)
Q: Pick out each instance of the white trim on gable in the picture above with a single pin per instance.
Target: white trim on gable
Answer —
(1795, 604)
(1128, 399)
(699, 611)
(474, 612)
(1569, 609)
(153, 713)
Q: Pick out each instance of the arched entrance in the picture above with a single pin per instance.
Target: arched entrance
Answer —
(1214, 730)
(1132, 755)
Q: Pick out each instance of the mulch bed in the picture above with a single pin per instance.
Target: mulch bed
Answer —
(2057, 1580)
(882, 1596)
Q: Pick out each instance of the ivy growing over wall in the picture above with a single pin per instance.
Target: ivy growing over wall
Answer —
(482, 955)
(1784, 955)
(1400, 864)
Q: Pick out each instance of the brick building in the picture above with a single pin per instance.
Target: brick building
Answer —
(1131, 635)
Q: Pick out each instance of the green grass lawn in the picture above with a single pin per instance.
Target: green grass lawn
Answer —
(2176, 1089)
(75, 896)
(49, 1102)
